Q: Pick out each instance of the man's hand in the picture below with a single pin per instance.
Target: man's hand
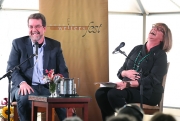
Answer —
(24, 88)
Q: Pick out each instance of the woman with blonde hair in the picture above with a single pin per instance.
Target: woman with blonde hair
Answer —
(146, 64)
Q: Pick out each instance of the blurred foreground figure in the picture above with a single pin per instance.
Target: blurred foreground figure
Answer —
(162, 117)
(121, 117)
(74, 118)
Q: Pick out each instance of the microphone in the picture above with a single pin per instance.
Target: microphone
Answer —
(36, 51)
(122, 44)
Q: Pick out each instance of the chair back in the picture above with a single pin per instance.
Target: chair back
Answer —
(163, 84)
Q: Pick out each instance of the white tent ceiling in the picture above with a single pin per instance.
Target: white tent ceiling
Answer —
(144, 6)
(120, 6)
(20, 4)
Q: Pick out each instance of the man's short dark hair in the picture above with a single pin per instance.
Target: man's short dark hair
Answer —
(38, 16)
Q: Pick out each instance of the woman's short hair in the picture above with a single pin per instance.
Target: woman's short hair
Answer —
(167, 38)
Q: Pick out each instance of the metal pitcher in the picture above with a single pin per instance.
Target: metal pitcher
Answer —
(66, 87)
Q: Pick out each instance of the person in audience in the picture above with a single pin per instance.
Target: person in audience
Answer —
(122, 117)
(145, 66)
(132, 110)
(27, 79)
(162, 117)
(74, 118)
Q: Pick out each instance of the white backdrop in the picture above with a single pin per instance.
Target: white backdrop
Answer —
(122, 28)
(13, 24)
(172, 89)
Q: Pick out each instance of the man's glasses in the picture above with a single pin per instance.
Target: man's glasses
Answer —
(159, 28)
(36, 27)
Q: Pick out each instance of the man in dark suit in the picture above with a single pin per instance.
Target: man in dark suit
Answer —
(28, 79)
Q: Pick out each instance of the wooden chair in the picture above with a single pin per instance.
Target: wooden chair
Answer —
(150, 110)
(41, 110)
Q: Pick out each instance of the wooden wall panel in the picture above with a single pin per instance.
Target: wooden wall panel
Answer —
(82, 28)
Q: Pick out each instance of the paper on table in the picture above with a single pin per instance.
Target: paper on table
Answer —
(106, 84)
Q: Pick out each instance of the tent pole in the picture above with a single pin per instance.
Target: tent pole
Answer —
(144, 28)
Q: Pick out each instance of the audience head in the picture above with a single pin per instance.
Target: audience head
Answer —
(74, 118)
(162, 117)
(121, 117)
(132, 110)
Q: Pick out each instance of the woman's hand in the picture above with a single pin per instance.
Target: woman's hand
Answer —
(131, 74)
(121, 85)
(134, 83)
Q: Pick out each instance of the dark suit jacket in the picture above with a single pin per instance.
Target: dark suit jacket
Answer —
(22, 49)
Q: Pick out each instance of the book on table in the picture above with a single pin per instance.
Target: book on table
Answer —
(106, 84)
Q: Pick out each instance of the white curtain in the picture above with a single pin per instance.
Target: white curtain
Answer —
(172, 88)
(122, 28)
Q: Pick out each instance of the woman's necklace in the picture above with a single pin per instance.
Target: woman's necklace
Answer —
(136, 64)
